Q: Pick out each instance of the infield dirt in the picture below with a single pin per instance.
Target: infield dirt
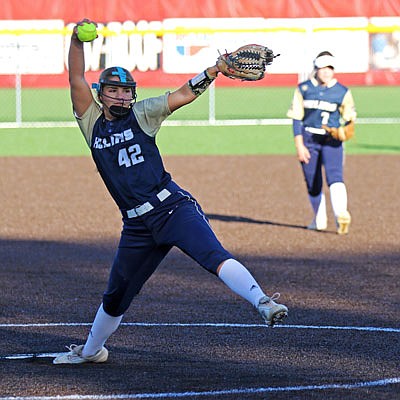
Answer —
(59, 231)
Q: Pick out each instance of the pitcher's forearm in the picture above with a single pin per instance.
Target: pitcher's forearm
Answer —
(76, 60)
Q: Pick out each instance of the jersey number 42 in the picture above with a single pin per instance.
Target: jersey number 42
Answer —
(130, 156)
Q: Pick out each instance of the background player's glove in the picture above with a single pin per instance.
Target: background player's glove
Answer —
(246, 63)
(342, 133)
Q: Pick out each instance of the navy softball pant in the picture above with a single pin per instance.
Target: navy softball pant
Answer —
(145, 241)
(325, 152)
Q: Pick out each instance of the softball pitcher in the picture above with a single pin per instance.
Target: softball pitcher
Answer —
(323, 116)
(157, 213)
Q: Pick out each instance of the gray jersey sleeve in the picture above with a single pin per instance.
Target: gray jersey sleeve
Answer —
(150, 113)
(88, 119)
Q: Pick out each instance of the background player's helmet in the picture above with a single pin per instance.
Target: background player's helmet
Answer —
(125, 80)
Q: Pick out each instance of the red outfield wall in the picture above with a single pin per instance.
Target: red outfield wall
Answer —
(114, 10)
(157, 10)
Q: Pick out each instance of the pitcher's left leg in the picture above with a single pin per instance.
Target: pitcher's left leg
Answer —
(189, 230)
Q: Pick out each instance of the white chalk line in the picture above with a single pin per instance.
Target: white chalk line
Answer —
(167, 395)
(169, 324)
(170, 395)
(207, 324)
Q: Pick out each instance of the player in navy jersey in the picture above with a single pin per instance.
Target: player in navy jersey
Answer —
(157, 213)
(322, 101)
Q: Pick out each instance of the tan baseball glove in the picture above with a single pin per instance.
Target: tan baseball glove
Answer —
(247, 63)
(342, 133)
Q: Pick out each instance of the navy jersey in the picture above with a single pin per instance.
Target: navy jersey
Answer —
(125, 150)
(316, 105)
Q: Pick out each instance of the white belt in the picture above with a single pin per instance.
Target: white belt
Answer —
(146, 207)
(315, 131)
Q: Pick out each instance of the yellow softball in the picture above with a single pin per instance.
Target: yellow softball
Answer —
(87, 32)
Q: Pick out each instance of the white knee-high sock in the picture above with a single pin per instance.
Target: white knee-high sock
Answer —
(103, 327)
(238, 278)
(318, 204)
(338, 194)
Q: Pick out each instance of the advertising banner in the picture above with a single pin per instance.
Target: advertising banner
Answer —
(32, 47)
(194, 44)
(160, 52)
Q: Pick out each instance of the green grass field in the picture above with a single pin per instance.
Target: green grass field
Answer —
(230, 103)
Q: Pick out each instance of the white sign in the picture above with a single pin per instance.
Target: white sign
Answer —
(346, 38)
(128, 45)
(297, 40)
(188, 45)
(34, 52)
(385, 46)
(192, 51)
